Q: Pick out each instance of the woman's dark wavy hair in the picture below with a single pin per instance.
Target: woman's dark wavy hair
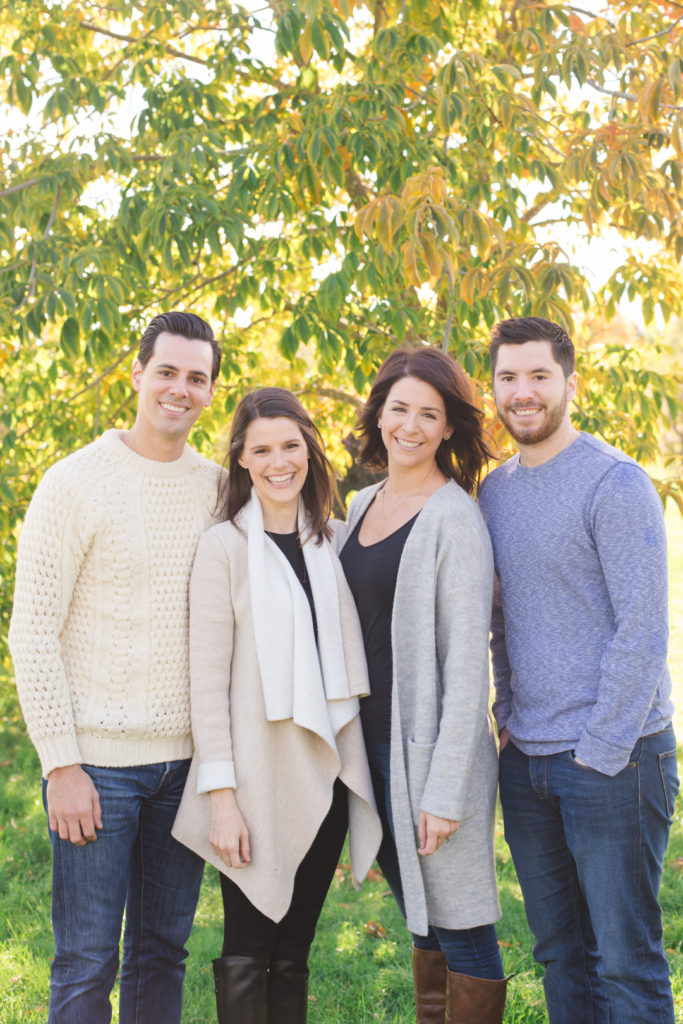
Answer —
(461, 457)
(320, 488)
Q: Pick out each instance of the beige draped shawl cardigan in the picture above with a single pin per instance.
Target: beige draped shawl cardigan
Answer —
(284, 773)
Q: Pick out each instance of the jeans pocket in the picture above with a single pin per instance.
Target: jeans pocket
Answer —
(669, 774)
(582, 767)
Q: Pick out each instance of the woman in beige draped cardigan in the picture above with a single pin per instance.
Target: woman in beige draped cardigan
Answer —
(277, 666)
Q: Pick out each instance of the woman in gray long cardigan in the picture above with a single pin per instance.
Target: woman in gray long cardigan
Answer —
(419, 563)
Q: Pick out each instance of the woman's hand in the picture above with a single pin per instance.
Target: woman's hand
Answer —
(228, 835)
(433, 831)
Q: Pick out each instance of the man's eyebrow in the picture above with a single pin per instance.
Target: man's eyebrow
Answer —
(536, 369)
(194, 373)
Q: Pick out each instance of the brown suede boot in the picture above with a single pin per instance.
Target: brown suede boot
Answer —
(429, 980)
(474, 1000)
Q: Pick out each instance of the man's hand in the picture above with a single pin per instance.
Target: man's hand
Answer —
(73, 805)
(503, 738)
(228, 835)
(433, 832)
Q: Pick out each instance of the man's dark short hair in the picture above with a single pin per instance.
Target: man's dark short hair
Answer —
(187, 325)
(519, 330)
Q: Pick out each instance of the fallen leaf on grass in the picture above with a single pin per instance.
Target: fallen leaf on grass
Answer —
(377, 930)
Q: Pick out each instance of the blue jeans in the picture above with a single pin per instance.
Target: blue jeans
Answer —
(472, 951)
(588, 850)
(134, 863)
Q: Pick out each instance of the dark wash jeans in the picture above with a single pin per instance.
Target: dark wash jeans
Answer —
(588, 849)
(472, 951)
(135, 863)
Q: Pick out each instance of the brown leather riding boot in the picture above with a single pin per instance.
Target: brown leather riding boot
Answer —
(241, 989)
(474, 1000)
(429, 981)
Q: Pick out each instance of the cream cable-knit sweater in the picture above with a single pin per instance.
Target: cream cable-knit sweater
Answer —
(99, 632)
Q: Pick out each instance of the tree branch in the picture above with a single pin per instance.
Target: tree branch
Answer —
(18, 188)
(657, 35)
(592, 15)
(336, 393)
(30, 290)
(626, 95)
(451, 310)
(89, 26)
(202, 284)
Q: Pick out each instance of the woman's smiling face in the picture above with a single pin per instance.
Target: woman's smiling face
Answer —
(275, 455)
(413, 423)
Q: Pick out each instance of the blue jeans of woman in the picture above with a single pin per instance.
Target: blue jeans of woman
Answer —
(472, 951)
(134, 864)
(589, 849)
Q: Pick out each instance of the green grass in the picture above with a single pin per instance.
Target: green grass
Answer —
(360, 962)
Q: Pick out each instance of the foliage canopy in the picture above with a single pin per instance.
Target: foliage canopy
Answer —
(322, 179)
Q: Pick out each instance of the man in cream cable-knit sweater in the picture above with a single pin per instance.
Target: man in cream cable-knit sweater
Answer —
(99, 638)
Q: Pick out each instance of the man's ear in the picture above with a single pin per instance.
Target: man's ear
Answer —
(209, 399)
(571, 386)
(136, 374)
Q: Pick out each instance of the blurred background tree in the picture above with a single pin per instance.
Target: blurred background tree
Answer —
(323, 179)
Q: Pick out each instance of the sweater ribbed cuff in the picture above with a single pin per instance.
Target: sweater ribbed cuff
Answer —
(57, 752)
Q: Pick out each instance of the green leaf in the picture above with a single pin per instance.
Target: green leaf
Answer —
(69, 337)
(505, 72)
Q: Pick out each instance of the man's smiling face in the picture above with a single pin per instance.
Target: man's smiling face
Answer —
(173, 388)
(531, 391)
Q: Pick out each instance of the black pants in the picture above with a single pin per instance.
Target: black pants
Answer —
(248, 932)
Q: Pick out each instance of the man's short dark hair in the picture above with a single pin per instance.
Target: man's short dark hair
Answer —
(519, 330)
(187, 325)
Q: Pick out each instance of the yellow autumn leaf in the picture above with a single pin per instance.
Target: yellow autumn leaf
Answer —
(306, 43)
(410, 267)
(432, 258)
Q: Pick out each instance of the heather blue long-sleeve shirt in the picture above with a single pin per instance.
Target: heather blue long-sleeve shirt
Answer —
(580, 625)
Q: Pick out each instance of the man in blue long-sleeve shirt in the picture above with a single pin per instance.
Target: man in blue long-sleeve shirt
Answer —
(583, 695)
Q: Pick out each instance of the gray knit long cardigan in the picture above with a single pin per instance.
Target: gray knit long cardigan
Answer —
(443, 751)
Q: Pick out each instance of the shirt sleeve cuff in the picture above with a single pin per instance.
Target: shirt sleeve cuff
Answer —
(216, 775)
(602, 757)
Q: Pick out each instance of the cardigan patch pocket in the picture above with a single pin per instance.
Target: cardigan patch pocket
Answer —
(419, 759)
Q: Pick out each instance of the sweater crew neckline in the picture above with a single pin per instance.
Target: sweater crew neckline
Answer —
(553, 460)
(113, 440)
